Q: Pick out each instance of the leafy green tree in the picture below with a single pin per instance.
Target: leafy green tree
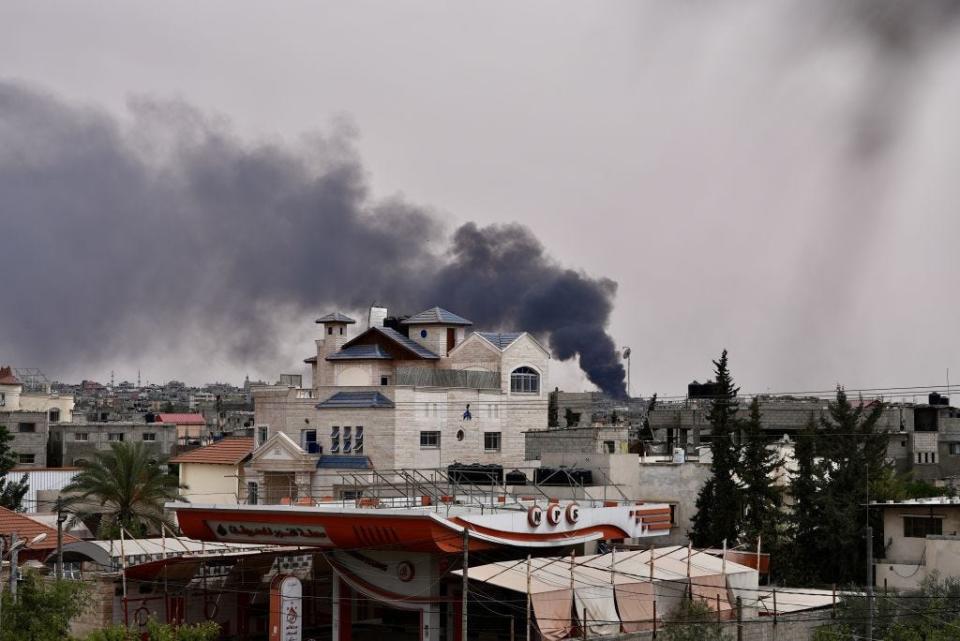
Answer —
(762, 497)
(124, 487)
(852, 452)
(43, 609)
(11, 491)
(693, 621)
(206, 631)
(720, 499)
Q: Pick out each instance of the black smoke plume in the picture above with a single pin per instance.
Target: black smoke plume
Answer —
(120, 237)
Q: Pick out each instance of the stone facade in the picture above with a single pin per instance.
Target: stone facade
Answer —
(428, 425)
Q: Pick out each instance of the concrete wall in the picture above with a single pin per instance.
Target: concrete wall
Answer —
(208, 483)
(65, 444)
(677, 483)
(27, 443)
(576, 440)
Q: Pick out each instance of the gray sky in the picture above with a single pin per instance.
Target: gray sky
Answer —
(777, 178)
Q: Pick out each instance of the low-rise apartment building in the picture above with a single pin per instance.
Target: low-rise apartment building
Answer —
(71, 444)
(920, 536)
(925, 438)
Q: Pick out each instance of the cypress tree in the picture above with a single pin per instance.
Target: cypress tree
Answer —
(800, 561)
(762, 497)
(852, 452)
(719, 501)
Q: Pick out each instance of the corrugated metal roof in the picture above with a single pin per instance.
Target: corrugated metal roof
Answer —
(436, 316)
(407, 342)
(501, 340)
(44, 478)
(229, 451)
(336, 317)
(356, 400)
(330, 461)
(360, 352)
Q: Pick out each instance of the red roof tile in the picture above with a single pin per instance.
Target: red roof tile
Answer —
(27, 528)
(7, 377)
(229, 451)
(182, 419)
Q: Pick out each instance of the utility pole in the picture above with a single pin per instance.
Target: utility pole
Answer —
(463, 597)
(14, 553)
(60, 519)
(869, 532)
(529, 622)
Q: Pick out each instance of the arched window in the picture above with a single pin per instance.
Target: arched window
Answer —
(525, 380)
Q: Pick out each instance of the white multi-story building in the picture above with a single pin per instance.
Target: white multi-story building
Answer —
(418, 393)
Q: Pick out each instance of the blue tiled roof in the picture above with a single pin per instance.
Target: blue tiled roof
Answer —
(501, 341)
(409, 343)
(356, 400)
(360, 352)
(437, 316)
(336, 317)
(329, 461)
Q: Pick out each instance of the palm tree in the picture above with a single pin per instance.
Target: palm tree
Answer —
(125, 487)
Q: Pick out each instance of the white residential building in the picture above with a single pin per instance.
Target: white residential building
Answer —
(417, 393)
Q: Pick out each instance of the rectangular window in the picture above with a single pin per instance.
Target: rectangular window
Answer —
(115, 436)
(81, 436)
(919, 527)
(26, 458)
(358, 440)
(955, 448)
(384, 380)
(27, 428)
(251, 493)
(347, 440)
(149, 436)
(429, 440)
(491, 441)
(335, 439)
(609, 447)
(264, 432)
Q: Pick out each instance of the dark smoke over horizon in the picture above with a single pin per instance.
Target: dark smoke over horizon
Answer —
(123, 237)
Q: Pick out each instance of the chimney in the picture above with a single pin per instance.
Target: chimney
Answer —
(377, 316)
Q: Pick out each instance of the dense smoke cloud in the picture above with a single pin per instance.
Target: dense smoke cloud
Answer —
(124, 237)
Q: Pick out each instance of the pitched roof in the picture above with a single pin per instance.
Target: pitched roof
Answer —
(436, 316)
(338, 462)
(501, 341)
(229, 451)
(336, 317)
(360, 352)
(182, 419)
(397, 338)
(27, 528)
(356, 400)
(7, 377)
(407, 342)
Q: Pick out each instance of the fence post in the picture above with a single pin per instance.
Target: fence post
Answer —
(774, 606)
(739, 619)
(833, 609)
(654, 617)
